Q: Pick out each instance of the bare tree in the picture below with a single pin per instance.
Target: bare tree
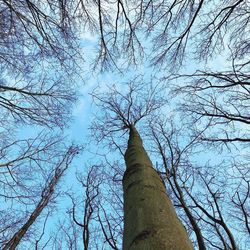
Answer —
(148, 213)
(91, 185)
(31, 30)
(171, 26)
(45, 101)
(219, 100)
(125, 109)
(172, 159)
(175, 26)
(28, 184)
(96, 213)
(38, 56)
(240, 195)
(207, 195)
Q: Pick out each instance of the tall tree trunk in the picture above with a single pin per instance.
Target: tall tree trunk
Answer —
(150, 221)
(18, 236)
(46, 197)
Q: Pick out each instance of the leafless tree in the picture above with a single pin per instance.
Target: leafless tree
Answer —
(212, 212)
(208, 195)
(121, 112)
(174, 26)
(96, 212)
(110, 210)
(172, 158)
(65, 235)
(45, 101)
(28, 184)
(31, 30)
(218, 100)
(118, 110)
(39, 39)
(171, 26)
(240, 194)
(89, 205)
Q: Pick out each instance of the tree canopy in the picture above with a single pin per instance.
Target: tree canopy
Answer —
(178, 70)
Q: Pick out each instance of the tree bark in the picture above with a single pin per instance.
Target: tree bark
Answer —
(150, 221)
(18, 236)
(46, 196)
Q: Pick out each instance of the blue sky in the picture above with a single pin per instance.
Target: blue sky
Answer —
(84, 110)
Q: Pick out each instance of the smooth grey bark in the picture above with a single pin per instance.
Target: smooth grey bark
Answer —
(150, 221)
